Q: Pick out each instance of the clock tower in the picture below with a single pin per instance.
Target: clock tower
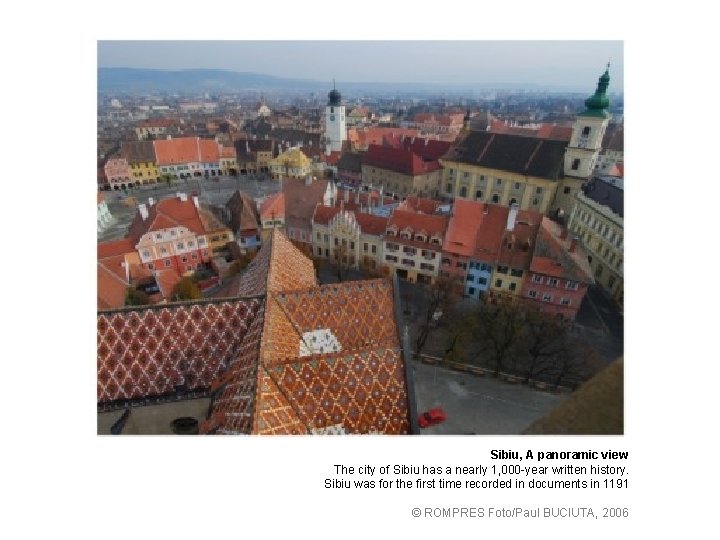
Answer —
(583, 150)
(335, 132)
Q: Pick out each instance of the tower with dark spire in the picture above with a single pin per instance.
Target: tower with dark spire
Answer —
(335, 132)
(583, 150)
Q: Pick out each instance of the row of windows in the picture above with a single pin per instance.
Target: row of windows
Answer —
(602, 229)
(480, 266)
(546, 297)
(513, 272)
(480, 280)
(168, 263)
(495, 199)
(554, 282)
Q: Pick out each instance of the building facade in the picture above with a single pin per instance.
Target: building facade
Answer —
(597, 220)
(117, 172)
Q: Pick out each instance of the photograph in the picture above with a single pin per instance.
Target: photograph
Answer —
(360, 237)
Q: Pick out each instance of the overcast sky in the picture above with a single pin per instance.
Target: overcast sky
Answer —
(556, 63)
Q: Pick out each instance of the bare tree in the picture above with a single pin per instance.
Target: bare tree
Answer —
(439, 297)
(547, 342)
(501, 329)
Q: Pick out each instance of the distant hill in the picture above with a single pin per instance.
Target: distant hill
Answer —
(218, 80)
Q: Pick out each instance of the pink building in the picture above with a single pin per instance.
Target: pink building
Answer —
(559, 273)
(117, 173)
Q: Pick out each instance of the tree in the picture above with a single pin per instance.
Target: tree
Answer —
(547, 342)
(186, 289)
(135, 297)
(501, 330)
(439, 297)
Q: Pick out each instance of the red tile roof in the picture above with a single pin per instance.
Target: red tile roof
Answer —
(111, 282)
(273, 207)
(369, 224)
(398, 160)
(420, 205)
(429, 224)
(165, 214)
(467, 216)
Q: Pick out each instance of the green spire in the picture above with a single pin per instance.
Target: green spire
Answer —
(598, 103)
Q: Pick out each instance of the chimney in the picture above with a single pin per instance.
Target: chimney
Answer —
(573, 243)
(308, 180)
(486, 211)
(143, 211)
(151, 201)
(182, 196)
(196, 201)
(512, 216)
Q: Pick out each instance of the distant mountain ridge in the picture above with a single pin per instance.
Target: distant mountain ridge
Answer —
(216, 80)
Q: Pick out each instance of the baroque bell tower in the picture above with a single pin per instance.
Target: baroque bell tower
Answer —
(335, 132)
(583, 150)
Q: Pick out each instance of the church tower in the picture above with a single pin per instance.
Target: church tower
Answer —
(583, 150)
(335, 132)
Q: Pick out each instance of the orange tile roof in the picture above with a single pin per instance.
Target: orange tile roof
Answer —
(227, 152)
(114, 247)
(273, 207)
(420, 205)
(248, 351)
(466, 218)
(166, 279)
(186, 150)
(111, 283)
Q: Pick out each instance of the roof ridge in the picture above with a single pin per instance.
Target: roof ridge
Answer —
(111, 272)
(533, 154)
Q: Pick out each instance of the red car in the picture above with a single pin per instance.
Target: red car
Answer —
(432, 417)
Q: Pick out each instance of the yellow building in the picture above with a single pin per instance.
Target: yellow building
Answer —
(140, 156)
(597, 220)
(290, 164)
(539, 174)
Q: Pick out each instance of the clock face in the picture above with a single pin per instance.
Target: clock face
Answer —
(332, 117)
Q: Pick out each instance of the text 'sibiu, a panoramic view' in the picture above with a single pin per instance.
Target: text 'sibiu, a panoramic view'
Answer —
(338, 252)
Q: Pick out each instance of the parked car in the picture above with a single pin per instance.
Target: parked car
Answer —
(432, 417)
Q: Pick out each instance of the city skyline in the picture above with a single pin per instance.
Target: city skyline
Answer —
(570, 64)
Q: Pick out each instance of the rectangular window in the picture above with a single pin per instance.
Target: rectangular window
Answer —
(537, 279)
(326, 238)
(374, 249)
(327, 252)
(482, 281)
(191, 244)
(408, 262)
(146, 253)
(319, 251)
(425, 266)
(194, 256)
(566, 190)
(517, 185)
(571, 285)
(502, 269)
(409, 251)
(337, 243)
(564, 301)
(552, 282)
(391, 258)
(184, 259)
(516, 273)
(532, 294)
(449, 188)
(484, 267)
(463, 191)
(352, 245)
(478, 194)
(498, 282)
(513, 286)
(318, 236)
(180, 245)
(167, 263)
(498, 182)
(575, 164)
(547, 297)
